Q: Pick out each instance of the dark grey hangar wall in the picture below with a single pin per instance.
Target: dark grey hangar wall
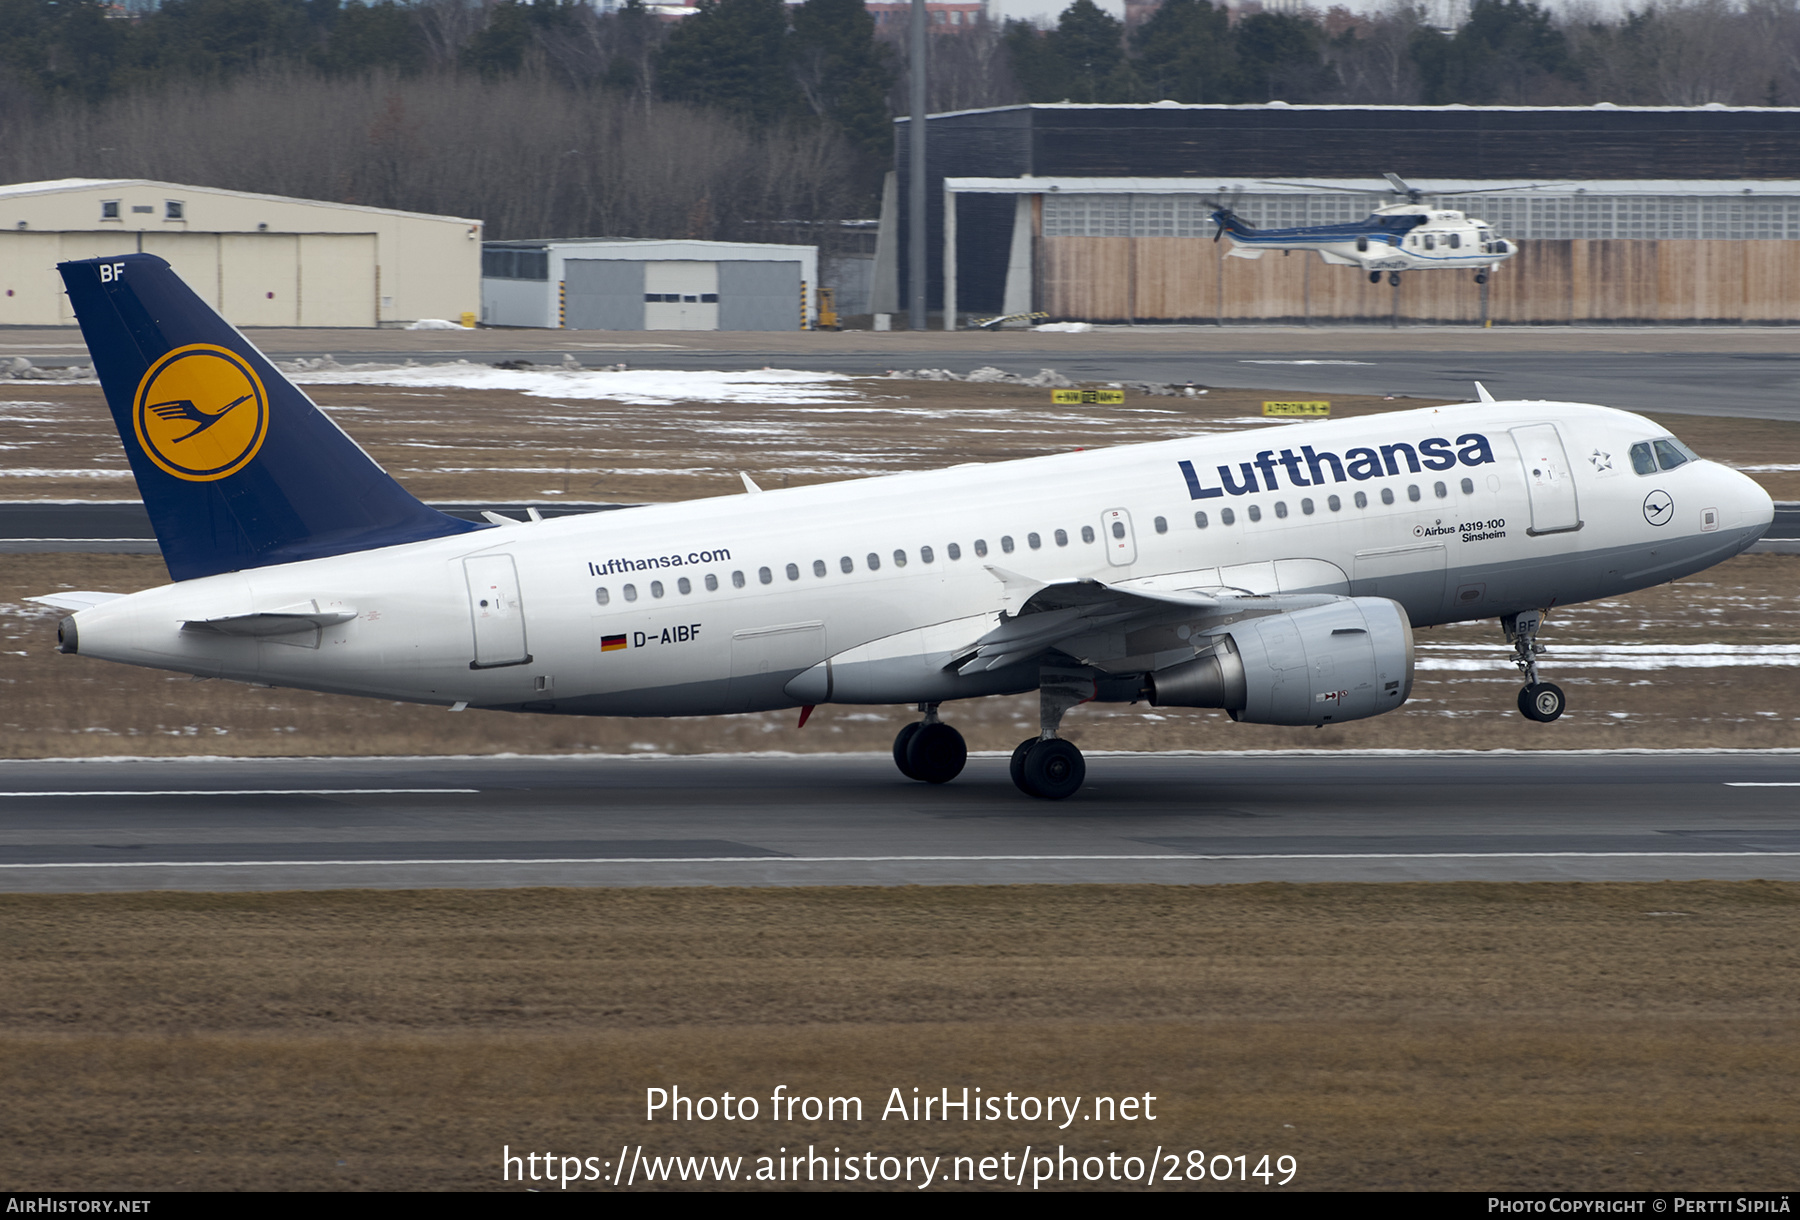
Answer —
(1244, 145)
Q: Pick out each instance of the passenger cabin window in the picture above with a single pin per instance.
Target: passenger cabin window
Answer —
(737, 580)
(818, 567)
(1281, 509)
(685, 586)
(793, 571)
(874, 561)
(899, 559)
(1387, 495)
(1062, 537)
(764, 575)
(602, 596)
(1227, 517)
(1412, 492)
(925, 555)
(1468, 487)
(847, 565)
(1306, 507)
(1256, 512)
(1440, 490)
(1200, 521)
(1333, 503)
(1087, 532)
(712, 583)
(1161, 523)
(1362, 499)
(1642, 459)
(1006, 543)
(656, 589)
(630, 593)
(980, 547)
(954, 551)
(1033, 541)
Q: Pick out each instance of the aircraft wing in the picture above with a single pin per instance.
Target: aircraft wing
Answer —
(1128, 625)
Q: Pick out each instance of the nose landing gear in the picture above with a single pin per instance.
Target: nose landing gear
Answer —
(930, 750)
(1538, 701)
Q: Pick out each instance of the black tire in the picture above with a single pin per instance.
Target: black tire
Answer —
(1054, 770)
(1394, 278)
(1525, 708)
(902, 739)
(936, 753)
(1018, 764)
(1547, 701)
(1374, 277)
(1481, 277)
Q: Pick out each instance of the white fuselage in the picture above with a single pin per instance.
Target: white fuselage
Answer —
(1443, 240)
(725, 605)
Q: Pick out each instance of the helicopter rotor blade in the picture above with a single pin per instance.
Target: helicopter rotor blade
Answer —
(1326, 186)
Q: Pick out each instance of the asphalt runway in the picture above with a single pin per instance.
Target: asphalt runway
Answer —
(835, 820)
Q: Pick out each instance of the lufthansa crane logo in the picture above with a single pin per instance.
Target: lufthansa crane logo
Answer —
(1659, 508)
(201, 413)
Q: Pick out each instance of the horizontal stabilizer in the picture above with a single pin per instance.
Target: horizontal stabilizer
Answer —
(288, 620)
(73, 600)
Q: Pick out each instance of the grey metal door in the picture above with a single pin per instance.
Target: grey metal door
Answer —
(759, 296)
(603, 294)
(1549, 479)
(497, 610)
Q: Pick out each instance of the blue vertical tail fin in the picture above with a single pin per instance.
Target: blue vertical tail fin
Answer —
(237, 467)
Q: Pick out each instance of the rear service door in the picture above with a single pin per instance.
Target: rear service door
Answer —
(1549, 480)
(498, 613)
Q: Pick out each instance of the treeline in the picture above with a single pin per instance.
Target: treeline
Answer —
(1508, 52)
(553, 118)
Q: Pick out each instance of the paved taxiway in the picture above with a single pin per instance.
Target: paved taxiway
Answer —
(1746, 372)
(833, 820)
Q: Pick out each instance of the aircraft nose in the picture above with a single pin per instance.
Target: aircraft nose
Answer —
(1755, 506)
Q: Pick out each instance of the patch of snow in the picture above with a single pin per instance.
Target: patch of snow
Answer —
(434, 324)
(1065, 328)
(636, 387)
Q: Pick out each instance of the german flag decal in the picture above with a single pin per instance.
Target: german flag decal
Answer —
(611, 643)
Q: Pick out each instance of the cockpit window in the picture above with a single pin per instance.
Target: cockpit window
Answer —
(1642, 460)
(1671, 453)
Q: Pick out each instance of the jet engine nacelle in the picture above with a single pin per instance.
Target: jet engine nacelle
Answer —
(1346, 660)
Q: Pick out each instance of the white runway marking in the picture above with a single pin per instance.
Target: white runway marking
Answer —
(1430, 855)
(250, 792)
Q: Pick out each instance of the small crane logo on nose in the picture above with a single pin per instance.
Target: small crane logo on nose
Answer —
(1659, 507)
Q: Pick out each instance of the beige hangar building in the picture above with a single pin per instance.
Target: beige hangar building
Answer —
(260, 260)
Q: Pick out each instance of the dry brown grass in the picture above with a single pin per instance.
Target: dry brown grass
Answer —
(1470, 1036)
(447, 444)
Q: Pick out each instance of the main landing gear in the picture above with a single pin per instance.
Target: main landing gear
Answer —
(1046, 766)
(1539, 701)
(930, 750)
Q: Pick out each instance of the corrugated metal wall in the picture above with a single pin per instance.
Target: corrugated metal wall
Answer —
(1179, 279)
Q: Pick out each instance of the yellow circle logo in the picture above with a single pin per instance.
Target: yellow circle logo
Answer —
(201, 413)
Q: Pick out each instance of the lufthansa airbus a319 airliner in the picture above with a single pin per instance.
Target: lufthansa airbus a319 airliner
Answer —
(1276, 574)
